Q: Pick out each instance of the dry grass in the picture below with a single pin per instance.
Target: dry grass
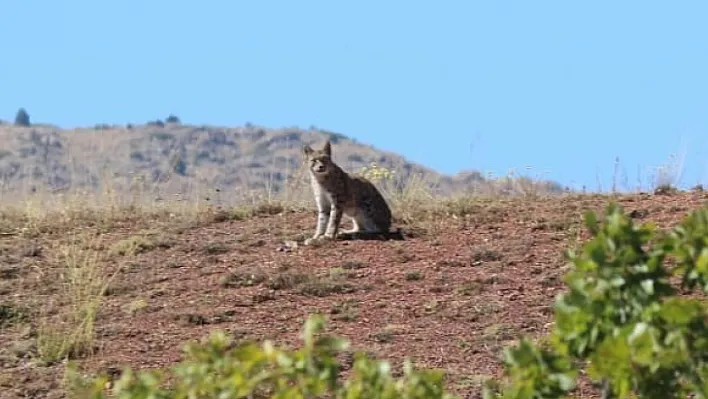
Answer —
(413, 202)
(70, 333)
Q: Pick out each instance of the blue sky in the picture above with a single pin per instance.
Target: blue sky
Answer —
(562, 87)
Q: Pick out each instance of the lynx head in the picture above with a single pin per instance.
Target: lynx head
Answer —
(319, 161)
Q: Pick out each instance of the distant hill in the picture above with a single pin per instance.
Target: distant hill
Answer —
(173, 158)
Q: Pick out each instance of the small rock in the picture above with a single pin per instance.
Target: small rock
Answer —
(288, 246)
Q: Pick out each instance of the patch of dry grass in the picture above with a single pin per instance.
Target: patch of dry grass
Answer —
(132, 246)
(83, 282)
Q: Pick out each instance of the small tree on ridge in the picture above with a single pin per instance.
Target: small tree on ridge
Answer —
(22, 118)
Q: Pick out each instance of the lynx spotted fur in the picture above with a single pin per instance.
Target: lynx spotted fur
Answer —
(338, 193)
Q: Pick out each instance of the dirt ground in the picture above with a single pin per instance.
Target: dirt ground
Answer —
(450, 296)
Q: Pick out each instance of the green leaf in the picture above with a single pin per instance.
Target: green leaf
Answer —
(648, 286)
(702, 262)
(682, 311)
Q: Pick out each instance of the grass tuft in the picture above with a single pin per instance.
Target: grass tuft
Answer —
(70, 334)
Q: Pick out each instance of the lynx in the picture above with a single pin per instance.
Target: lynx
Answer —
(338, 193)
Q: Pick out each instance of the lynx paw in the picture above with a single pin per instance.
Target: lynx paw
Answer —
(321, 238)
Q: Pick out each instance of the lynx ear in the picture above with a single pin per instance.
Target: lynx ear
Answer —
(307, 150)
(327, 149)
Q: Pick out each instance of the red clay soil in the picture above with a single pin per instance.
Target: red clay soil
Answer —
(450, 297)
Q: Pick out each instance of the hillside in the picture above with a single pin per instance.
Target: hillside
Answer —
(452, 295)
(174, 159)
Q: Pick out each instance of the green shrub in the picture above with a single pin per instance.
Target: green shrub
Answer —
(217, 369)
(621, 318)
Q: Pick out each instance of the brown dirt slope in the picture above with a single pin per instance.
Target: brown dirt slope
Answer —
(450, 297)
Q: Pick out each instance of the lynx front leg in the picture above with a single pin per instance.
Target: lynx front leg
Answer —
(322, 221)
(335, 218)
(323, 209)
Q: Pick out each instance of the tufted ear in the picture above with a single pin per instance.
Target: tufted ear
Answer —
(307, 150)
(327, 149)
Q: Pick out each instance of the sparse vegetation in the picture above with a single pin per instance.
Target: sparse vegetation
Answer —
(413, 275)
(215, 248)
(321, 287)
(287, 280)
(11, 314)
(353, 265)
(347, 310)
(120, 269)
(244, 278)
(70, 332)
(136, 306)
(384, 336)
(132, 246)
(470, 288)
